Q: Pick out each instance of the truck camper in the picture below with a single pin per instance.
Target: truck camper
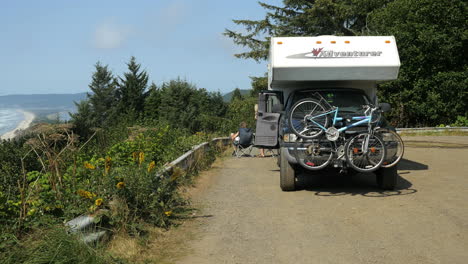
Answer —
(321, 108)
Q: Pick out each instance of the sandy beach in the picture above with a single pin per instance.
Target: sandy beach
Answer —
(28, 118)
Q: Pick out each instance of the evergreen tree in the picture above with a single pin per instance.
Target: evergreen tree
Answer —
(82, 119)
(184, 106)
(132, 89)
(152, 102)
(303, 18)
(178, 104)
(216, 105)
(103, 99)
(236, 95)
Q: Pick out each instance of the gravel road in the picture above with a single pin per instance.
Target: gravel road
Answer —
(337, 219)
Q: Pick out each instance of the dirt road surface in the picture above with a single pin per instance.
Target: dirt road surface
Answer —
(246, 218)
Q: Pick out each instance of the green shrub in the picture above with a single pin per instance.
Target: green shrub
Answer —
(461, 121)
(121, 174)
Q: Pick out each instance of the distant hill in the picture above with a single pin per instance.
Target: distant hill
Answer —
(227, 97)
(41, 101)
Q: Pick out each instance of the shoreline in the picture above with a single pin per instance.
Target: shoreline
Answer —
(24, 124)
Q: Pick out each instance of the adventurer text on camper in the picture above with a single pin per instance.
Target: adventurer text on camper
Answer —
(320, 53)
(332, 53)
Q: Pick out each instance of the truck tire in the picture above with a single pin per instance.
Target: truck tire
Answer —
(287, 175)
(278, 158)
(387, 178)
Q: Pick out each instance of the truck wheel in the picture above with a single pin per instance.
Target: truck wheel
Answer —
(278, 158)
(387, 178)
(287, 175)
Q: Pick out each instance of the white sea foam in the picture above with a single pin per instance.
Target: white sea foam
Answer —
(13, 119)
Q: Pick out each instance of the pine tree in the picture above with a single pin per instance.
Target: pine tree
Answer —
(103, 99)
(236, 95)
(177, 107)
(184, 106)
(132, 88)
(82, 119)
(303, 18)
(152, 102)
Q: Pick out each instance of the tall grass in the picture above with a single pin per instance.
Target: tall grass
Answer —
(53, 246)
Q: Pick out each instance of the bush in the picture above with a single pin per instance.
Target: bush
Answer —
(462, 121)
(123, 178)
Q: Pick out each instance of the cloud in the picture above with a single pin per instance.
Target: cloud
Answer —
(109, 35)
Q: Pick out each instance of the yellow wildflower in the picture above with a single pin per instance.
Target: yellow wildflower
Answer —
(80, 193)
(141, 158)
(86, 194)
(89, 166)
(134, 155)
(151, 166)
(168, 213)
(98, 202)
(107, 164)
(120, 185)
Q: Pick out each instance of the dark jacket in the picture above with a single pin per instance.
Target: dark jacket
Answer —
(245, 136)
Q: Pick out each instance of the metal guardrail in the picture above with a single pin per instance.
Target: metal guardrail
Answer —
(187, 160)
(85, 224)
(431, 129)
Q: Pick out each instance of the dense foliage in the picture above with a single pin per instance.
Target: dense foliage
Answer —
(107, 161)
(432, 87)
(129, 100)
(431, 36)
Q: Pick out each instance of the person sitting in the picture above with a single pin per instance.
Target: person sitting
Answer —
(242, 138)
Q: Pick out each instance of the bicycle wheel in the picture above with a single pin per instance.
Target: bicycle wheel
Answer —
(304, 121)
(314, 155)
(365, 152)
(394, 146)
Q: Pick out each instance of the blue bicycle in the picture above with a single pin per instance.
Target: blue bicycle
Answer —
(309, 118)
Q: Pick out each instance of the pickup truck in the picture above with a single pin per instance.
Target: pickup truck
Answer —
(344, 72)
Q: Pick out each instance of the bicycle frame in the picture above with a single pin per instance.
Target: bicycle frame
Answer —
(363, 120)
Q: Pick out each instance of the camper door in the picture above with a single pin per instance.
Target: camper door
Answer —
(270, 106)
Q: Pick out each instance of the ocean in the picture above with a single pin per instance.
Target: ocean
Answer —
(9, 120)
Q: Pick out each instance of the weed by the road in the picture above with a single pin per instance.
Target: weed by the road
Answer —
(53, 246)
(435, 133)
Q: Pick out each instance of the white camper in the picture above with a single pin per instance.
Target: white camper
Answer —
(344, 68)
(298, 62)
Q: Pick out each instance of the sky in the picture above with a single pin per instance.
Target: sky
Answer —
(52, 46)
